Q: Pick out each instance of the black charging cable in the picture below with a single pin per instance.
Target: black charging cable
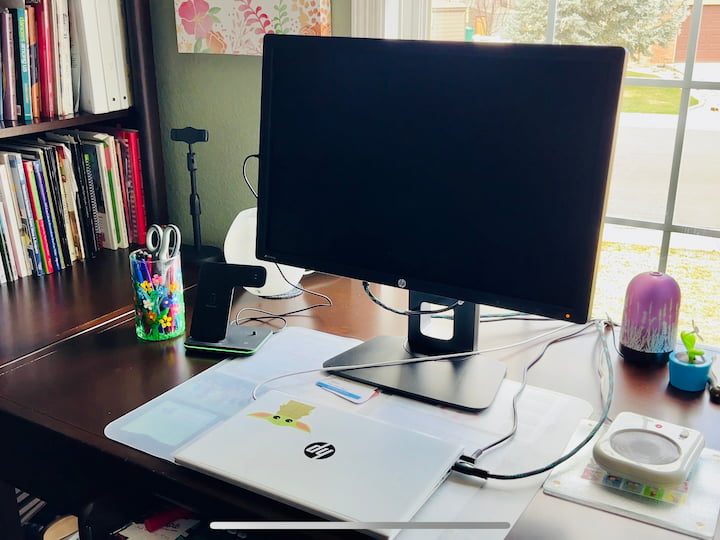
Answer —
(410, 312)
(466, 464)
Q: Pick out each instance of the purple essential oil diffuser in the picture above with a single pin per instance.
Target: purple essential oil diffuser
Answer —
(649, 324)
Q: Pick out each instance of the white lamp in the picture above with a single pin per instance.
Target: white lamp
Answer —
(240, 249)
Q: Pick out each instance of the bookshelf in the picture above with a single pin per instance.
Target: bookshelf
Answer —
(42, 310)
(38, 312)
(43, 125)
(143, 115)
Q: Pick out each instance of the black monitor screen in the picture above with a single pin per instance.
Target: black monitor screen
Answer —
(471, 171)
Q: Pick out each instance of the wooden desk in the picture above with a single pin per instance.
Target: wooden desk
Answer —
(55, 403)
(40, 311)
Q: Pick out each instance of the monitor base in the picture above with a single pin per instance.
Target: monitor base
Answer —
(467, 383)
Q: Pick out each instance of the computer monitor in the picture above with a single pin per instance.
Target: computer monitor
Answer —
(462, 171)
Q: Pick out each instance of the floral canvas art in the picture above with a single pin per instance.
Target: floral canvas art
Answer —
(238, 26)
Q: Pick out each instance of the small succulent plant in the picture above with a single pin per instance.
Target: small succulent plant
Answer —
(689, 339)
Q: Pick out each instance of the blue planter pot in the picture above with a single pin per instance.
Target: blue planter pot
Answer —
(686, 376)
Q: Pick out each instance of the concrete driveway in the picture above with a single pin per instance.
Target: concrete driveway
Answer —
(643, 160)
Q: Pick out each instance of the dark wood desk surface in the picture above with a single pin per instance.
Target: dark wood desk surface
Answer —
(39, 311)
(54, 405)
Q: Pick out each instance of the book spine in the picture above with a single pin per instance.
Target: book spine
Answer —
(76, 162)
(128, 189)
(28, 230)
(5, 247)
(44, 243)
(83, 201)
(111, 209)
(47, 213)
(93, 186)
(8, 66)
(3, 277)
(121, 53)
(12, 218)
(69, 212)
(75, 60)
(29, 509)
(93, 93)
(63, 69)
(107, 52)
(35, 249)
(33, 61)
(46, 59)
(133, 139)
(48, 167)
(23, 61)
(104, 195)
(122, 197)
(116, 194)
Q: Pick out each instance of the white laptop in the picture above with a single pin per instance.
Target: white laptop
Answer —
(332, 463)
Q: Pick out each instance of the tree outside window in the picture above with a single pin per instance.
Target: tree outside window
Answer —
(665, 188)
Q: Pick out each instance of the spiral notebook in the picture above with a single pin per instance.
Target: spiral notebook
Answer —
(332, 463)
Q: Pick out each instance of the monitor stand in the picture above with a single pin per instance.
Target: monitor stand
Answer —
(467, 383)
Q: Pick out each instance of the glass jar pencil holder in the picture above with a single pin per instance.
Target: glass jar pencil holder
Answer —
(158, 296)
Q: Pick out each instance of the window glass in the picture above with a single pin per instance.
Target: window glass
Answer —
(625, 253)
(694, 262)
(707, 57)
(482, 20)
(643, 157)
(698, 197)
(666, 88)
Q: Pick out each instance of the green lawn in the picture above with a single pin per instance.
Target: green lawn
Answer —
(693, 269)
(643, 99)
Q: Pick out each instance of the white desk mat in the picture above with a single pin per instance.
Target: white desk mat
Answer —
(546, 420)
(696, 513)
(160, 426)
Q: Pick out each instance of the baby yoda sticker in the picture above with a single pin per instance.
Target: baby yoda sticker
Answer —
(288, 414)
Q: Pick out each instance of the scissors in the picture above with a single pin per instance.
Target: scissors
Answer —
(163, 243)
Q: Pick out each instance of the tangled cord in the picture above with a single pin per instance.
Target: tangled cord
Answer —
(466, 464)
(269, 316)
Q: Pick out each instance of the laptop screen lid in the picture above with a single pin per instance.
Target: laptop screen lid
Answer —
(332, 463)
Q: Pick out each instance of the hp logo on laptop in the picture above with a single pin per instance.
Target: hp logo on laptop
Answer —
(319, 450)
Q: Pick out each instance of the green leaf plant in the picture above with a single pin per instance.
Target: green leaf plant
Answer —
(689, 339)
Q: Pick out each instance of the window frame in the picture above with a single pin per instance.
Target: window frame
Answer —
(392, 19)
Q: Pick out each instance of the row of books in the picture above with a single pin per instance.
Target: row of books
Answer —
(41, 521)
(66, 195)
(60, 57)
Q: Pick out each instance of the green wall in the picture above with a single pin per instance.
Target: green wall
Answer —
(219, 93)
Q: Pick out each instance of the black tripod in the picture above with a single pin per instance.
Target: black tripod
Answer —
(196, 253)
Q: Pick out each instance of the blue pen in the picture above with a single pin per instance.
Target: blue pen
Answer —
(145, 270)
(141, 270)
(137, 271)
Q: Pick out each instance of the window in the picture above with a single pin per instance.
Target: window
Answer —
(664, 205)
